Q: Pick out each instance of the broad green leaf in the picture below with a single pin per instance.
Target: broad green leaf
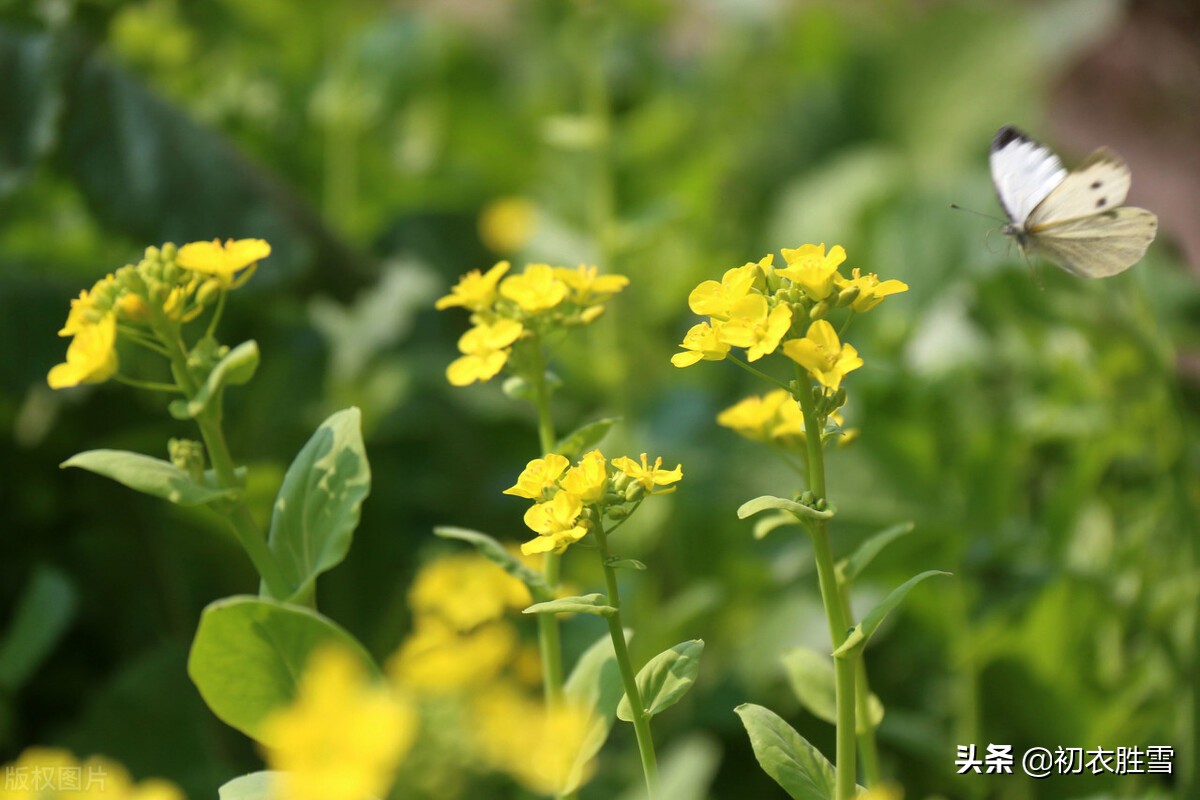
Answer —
(255, 786)
(769, 524)
(584, 604)
(496, 552)
(44, 610)
(865, 553)
(787, 756)
(811, 676)
(594, 683)
(799, 510)
(861, 632)
(318, 505)
(625, 563)
(249, 654)
(236, 368)
(584, 437)
(151, 476)
(665, 679)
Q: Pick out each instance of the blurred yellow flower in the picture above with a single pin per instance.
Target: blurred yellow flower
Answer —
(812, 270)
(465, 590)
(42, 773)
(91, 355)
(648, 475)
(871, 290)
(538, 746)
(773, 416)
(701, 342)
(825, 358)
(555, 522)
(485, 349)
(475, 291)
(713, 299)
(587, 286)
(755, 326)
(90, 307)
(343, 736)
(437, 658)
(536, 289)
(222, 261)
(589, 479)
(539, 475)
(507, 223)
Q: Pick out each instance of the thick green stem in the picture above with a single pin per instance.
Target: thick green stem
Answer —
(641, 720)
(868, 750)
(835, 611)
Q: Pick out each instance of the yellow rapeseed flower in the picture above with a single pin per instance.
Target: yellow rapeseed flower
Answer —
(465, 590)
(343, 736)
(557, 524)
(871, 290)
(90, 307)
(437, 658)
(475, 291)
(812, 270)
(536, 289)
(507, 223)
(222, 261)
(589, 288)
(539, 475)
(485, 352)
(716, 299)
(91, 356)
(826, 359)
(43, 773)
(589, 479)
(773, 416)
(755, 326)
(649, 475)
(702, 342)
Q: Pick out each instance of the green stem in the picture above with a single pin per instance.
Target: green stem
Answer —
(868, 750)
(641, 720)
(835, 611)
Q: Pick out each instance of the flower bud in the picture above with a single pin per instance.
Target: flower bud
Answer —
(208, 292)
(188, 456)
(634, 492)
(819, 310)
(820, 505)
(807, 498)
(617, 512)
(847, 296)
(169, 251)
(133, 308)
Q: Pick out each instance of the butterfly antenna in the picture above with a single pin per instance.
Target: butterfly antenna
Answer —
(957, 207)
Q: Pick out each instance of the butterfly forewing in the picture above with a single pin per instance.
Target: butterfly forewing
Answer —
(1097, 185)
(1098, 245)
(1024, 172)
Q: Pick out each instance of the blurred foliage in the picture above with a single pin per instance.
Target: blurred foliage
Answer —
(1033, 426)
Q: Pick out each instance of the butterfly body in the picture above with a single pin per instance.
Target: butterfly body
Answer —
(1074, 219)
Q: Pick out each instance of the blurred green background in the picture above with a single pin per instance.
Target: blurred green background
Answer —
(1038, 429)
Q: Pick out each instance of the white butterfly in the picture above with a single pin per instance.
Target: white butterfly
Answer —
(1074, 219)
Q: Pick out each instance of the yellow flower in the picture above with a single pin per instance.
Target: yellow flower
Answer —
(545, 756)
(535, 289)
(812, 270)
(436, 658)
(43, 773)
(91, 356)
(475, 291)
(589, 480)
(775, 415)
(589, 288)
(465, 590)
(871, 290)
(90, 307)
(649, 475)
(538, 476)
(556, 523)
(222, 261)
(485, 349)
(820, 352)
(713, 299)
(343, 736)
(703, 341)
(507, 223)
(755, 328)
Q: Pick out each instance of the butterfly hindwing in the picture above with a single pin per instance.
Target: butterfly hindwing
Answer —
(1097, 185)
(1098, 245)
(1024, 172)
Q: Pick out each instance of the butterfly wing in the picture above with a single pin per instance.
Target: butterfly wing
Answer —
(1097, 185)
(1024, 172)
(1097, 245)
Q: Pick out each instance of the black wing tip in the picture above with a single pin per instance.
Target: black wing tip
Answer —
(1006, 136)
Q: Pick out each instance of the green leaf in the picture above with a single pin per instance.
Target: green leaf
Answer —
(787, 756)
(811, 677)
(34, 67)
(255, 786)
(151, 476)
(249, 654)
(799, 510)
(319, 503)
(766, 525)
(865, 553)
(584, 604)
(686, 770)
(497, 554)
(665, 679)
(584, 437)
(625, 563)
(236, 368)
(862, 632)
(44, 610)
(594, 683)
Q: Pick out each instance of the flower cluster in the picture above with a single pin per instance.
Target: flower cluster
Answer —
(509, 309)
(43, 773)
(168, 287)
(568, 499)
(763, 309)
(774, 417)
